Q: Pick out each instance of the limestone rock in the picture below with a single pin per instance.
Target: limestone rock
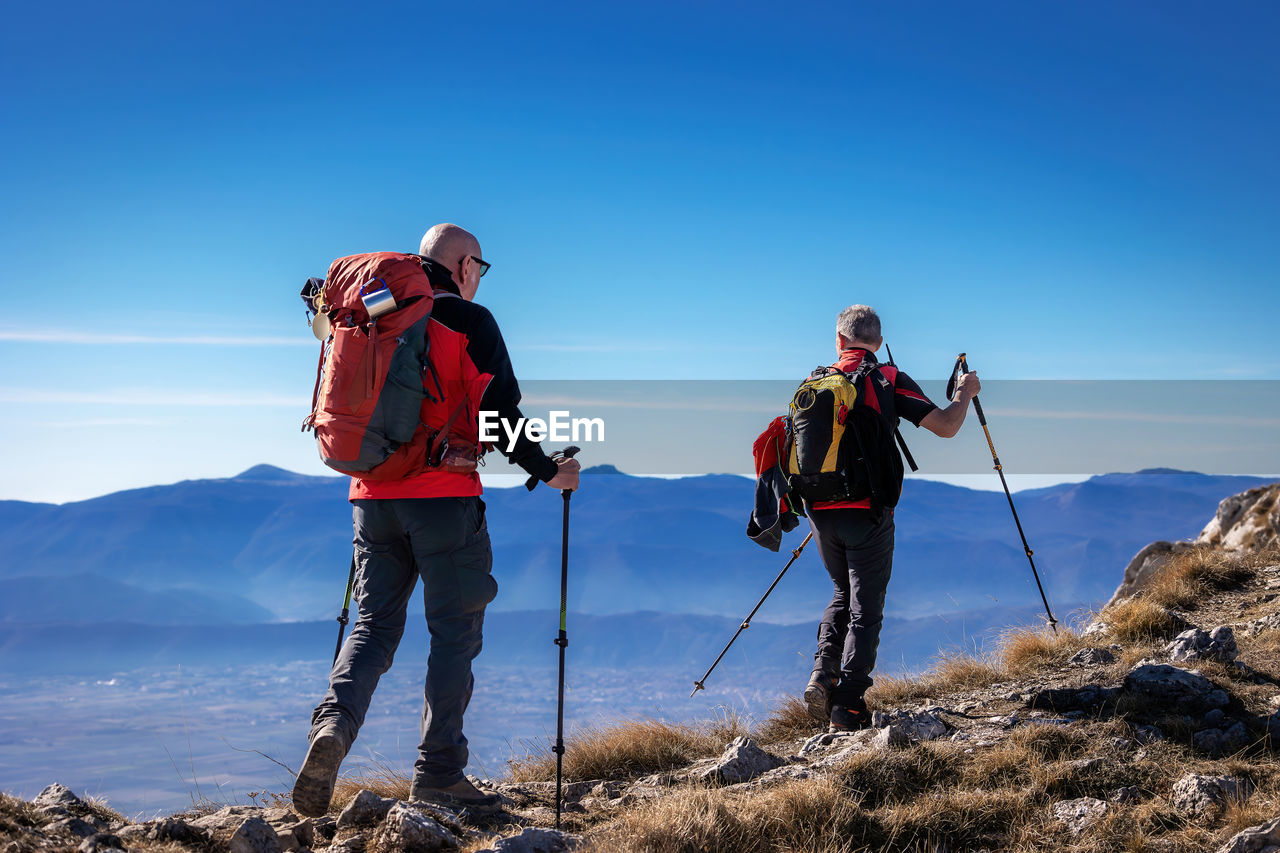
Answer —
(354, 844)
(1194, 644)
(254, 835)
(1099, 628)
(1187, 689)
(1091, 656)
(408, 829)
(1125, 795)
(1145, 565)
(535, 840)
(72, 826)
(168, 829)
(1219, 742)
(1148, 734)
(1248, 520)
(300, 836)
(58, 796)
(786, 773)
(225, 821)
(365, 809)
(844, 745)
(324, 828)
(1064, 699)
(1080, 814)
(101, 842)
(823, 740)
(741, 761)
(890, 737)
(1197, 795)
(441, 815)
(1270, 622)
(913, 726)
(1264, 838)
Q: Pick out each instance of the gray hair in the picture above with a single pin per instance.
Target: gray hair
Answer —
(859, 323)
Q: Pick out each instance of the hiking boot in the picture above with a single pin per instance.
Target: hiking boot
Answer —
(817, 695)
(850, 717)
(460, 795)
(313, 788)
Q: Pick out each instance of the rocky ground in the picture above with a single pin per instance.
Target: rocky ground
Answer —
(1150, 730)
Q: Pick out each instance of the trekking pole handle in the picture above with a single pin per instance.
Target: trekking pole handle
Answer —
(568, 453)
(977, 407)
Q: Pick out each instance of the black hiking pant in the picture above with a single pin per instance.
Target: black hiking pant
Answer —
(444, 541)
(857, 550)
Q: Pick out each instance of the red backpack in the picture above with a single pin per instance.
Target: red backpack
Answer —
(371, 379)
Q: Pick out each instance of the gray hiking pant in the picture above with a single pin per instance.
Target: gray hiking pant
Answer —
(445, 541)
(858, 553)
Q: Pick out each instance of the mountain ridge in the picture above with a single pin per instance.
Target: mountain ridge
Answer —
(282, 541)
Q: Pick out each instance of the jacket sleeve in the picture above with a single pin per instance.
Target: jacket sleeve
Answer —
(488, 352)
(909, 400)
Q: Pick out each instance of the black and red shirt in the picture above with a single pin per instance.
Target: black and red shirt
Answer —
(468, 352)
(909, 403)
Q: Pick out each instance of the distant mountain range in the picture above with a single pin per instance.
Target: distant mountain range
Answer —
(270, 545)
(682, 645)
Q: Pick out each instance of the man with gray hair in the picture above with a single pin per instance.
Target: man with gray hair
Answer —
(431, 526)
(855, 539)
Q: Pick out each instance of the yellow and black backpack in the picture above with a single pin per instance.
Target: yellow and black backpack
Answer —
(841, 445)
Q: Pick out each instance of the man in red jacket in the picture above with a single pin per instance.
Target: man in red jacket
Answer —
(856, 543)
(432, 526)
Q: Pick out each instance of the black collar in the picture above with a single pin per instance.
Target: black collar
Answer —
(439, 276)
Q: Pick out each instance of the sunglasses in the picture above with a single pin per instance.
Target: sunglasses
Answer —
(484, 265)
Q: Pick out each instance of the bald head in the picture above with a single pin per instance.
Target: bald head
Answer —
(457, 250)
(448, 244)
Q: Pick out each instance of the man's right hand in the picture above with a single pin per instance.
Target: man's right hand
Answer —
(567, 476)
(968, 387)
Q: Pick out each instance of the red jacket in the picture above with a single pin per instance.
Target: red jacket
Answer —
(471, 360)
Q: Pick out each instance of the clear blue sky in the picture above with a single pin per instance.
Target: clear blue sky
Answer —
(665, 191)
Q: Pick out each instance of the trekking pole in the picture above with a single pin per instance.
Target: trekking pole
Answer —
(962, 367)
(346, 608)
(562, 639)
(746, 623)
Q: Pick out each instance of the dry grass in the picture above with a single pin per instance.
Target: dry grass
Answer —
(1140, 620)
(952, 672)
(789, 721)
(877, 779)
(942, 795)
(813, 815)
(629, 750)
(1262, 651)
(956, 819)
(1192, 576)
(1027, 651)
(380, 778)
(16, 813)
(937, 795)
(1250, 812)
(1022, 652)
